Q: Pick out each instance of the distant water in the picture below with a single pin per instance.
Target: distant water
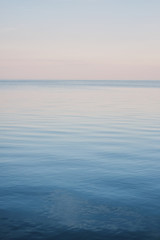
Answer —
(80, 160)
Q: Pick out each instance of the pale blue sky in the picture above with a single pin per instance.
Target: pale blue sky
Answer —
(80, 39)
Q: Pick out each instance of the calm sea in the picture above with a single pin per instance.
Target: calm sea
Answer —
(79, 160)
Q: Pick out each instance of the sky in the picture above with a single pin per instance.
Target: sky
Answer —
(80, 39)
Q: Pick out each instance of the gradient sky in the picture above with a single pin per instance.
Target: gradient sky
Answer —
(80, 39)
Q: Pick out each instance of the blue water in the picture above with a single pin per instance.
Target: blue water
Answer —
(80, 160)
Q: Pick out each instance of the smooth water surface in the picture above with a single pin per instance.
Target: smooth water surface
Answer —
(79, 160)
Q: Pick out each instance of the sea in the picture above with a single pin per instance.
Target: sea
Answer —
(79, 160)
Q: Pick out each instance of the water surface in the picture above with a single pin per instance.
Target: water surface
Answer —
(79, 160)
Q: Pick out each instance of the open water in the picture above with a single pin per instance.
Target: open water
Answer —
(80, 160)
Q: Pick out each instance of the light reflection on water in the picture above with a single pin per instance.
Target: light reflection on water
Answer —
(79, 160)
